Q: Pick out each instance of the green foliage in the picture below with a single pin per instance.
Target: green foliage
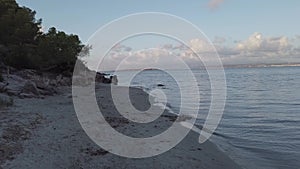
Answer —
(18, 32)
(57, 49)
(28, 47)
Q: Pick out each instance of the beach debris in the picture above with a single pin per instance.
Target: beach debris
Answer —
(14, 132)
(93, 152)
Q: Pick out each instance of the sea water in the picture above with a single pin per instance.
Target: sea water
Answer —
(260, 127)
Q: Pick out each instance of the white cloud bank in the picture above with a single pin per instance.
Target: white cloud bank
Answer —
(260, 49)
(257, 49)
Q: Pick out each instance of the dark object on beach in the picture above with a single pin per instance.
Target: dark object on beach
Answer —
(104, 78)
(160, 85)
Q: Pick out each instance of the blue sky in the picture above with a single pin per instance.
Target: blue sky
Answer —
(251, 31)
(235, 19)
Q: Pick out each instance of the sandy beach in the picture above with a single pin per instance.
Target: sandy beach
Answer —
(45, 133)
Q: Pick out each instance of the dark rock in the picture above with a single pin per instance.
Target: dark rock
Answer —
(40, 84)
(27, 95)
(49, 91)
(53, 82)
(65, 81)
(58, 78)
(12, 92)
(30, 88)
(3, 87)
(26, 74)
(100, 78)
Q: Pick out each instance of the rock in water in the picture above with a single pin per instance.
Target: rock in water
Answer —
(114, 80)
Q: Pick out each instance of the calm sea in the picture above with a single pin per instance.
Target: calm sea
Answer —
(260, 127)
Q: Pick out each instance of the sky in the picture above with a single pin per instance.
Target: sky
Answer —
(243, 31)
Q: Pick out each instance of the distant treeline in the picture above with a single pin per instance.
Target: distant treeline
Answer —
(24, 45)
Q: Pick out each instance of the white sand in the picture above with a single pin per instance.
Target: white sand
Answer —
(58, 141)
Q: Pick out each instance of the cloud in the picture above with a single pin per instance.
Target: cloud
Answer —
(257, 45)
(262, 50)
(214, 4)
(200, 46)
(252, 43)
(255, 49)
(139, 59)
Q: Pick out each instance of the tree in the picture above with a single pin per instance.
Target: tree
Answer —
(18, 32)
(23, 45)
(58, 50)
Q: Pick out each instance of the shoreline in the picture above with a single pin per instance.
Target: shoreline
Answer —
(55, 139)
(193, 128)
